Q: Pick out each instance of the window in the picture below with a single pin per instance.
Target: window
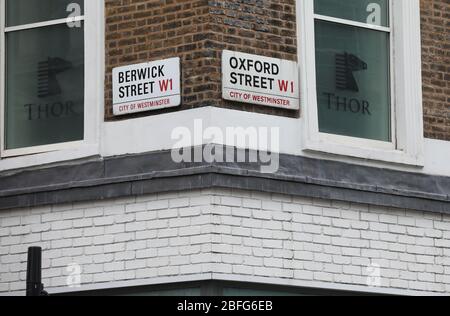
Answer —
(352, 66)
(47, 75)
(361, 78)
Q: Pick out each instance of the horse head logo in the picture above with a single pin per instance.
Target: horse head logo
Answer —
(346, 64)
(48, 84)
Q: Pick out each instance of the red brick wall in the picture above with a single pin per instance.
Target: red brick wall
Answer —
(145, 30)
(436, 68)
(198, 30)
(266, 28)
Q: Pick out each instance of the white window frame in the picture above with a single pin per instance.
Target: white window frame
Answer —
(93, 92)
(406, 95)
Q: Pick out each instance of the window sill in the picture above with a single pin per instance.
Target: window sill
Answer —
(51, 157)
(391, 156)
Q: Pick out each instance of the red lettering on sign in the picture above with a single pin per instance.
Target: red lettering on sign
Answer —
(165, 85)
(283, 85)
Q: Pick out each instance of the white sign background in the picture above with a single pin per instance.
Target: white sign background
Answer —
(260, 80)
(147, 86)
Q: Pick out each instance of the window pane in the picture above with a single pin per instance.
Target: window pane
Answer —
(366, 11)
(20, 12)
(44, 86)
(353, 87)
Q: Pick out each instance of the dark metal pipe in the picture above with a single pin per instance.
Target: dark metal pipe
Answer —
(34, 277)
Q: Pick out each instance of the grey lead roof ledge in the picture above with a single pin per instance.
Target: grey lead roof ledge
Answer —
(155, 172)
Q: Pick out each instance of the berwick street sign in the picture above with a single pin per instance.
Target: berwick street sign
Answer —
(146, 87)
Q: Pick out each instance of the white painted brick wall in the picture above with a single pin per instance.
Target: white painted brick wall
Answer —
(228, 232)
